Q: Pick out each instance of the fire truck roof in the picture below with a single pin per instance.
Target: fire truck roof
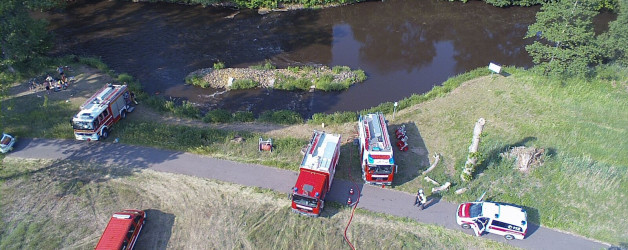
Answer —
(320, 152)
(99, 101)
(373, 130)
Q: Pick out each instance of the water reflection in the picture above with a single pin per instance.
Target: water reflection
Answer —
(404, 46)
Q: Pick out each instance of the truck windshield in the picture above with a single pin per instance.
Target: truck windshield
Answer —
(381, 169)
(304, 201)
(475, 210)
(83, 125)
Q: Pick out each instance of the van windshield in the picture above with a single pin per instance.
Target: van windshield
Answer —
(475, 210)
(304, 201)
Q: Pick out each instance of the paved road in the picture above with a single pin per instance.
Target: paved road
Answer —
(373, 198)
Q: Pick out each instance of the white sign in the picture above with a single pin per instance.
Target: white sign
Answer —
(494, 67)
(395, 104)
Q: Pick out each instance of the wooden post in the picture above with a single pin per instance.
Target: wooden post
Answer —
(472, 158)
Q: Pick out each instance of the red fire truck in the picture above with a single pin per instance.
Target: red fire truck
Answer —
(316, 174)
(378, 164)
(101, 111)
(122, 230)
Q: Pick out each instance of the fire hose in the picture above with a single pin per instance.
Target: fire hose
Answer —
(357, 188)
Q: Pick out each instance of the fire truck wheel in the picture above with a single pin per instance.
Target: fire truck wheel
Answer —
(465, 226)
(509, 237)
(123, 114)
(105, 133)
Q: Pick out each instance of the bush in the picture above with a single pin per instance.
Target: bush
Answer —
(244, 84)
(219, 65)
(197, 80)
(281, 117)
(338, 69)
(243, 116)
(291, 83)
(186, 109)
(360, 76)
(94, 62)
(265, 66)
(217, 116)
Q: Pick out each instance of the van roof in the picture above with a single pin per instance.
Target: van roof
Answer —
(504, 212)
(116, 230)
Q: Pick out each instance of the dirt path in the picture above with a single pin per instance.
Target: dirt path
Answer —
(372, 198)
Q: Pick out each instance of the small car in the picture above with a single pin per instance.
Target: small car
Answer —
(6, 143)
(492, 217)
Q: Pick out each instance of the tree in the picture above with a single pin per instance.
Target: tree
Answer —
(565, 37)
(615, 41)
(22, 38)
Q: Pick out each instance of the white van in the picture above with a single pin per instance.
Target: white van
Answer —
(498, 218)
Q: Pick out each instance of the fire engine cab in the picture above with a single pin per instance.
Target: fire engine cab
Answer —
(101, 111)
(316, 174)
(378, 164)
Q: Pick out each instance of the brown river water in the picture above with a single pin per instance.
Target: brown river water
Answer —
(404, 46)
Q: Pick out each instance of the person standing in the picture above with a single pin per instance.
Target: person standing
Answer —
(420, 199)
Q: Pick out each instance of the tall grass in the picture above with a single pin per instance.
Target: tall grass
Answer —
(281, 117)
(244, 84)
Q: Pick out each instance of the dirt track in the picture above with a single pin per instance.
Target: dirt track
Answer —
(373, 198)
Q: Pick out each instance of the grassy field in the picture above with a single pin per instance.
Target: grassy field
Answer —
(61, 204)
(581, 125)
(581, 186)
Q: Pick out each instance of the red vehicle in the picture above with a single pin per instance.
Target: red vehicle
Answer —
(376, 152)
(122, 230)
(101, 111)
(316, 174)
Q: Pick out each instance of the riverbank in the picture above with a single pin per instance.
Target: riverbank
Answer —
(585, 165)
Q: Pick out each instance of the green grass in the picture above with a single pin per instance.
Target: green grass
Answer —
(213, 142)
(581, 124)
(194, 213)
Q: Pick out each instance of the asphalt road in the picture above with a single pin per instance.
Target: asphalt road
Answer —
(372, 198)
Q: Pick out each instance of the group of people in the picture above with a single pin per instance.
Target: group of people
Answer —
(54, 84)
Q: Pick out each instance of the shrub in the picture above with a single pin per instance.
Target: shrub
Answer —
(217, 116)
(186, 109)
(197, 80)
(291, 83)
(94, 62)
(338, 69)
(243, 116)
(360, 76)
(219, 65)
(264, 66)
(244, 84)
(294, 69)
(281, 117)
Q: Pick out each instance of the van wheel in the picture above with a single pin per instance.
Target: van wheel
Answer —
(465, 226)
(105, 134)
(123, 114)
(509, 237)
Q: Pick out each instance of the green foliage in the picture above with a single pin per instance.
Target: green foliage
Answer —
(243, 116)
(286, 117)
(244, 84)
(339, 69)
(326, 83)
(360, 75)
(94, 62)
(219, 65)
(567, 43)
(292, 83)
(267, 65)
(217, 116)
(615, 40)
(24, 40)
(197, 80)
(186, 109)
(335, 118)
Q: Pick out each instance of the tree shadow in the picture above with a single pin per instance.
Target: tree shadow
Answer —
(413, 161)
(494, 155)
(157, 230)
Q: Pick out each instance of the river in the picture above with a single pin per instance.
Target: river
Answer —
(404, 46)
